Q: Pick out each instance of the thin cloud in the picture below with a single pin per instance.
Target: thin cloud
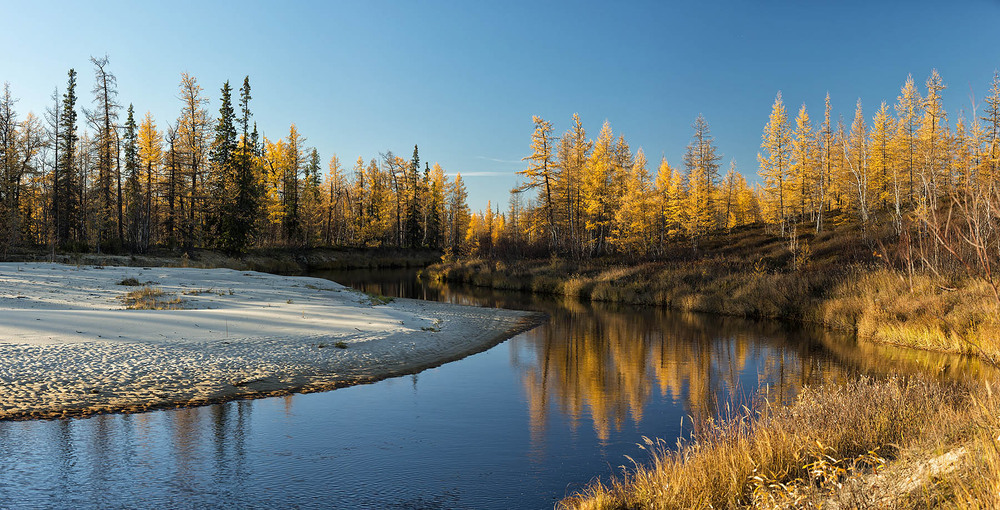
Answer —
(498, 160)
(484, 174)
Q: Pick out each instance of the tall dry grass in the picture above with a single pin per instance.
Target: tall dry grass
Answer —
(976, 482)
(796, 456)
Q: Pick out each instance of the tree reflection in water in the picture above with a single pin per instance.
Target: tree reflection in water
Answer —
(604, 361)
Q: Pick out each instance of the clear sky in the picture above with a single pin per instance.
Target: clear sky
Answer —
(463, 78)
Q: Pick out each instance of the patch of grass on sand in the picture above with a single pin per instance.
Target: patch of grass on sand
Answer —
(378, 299)
(151, 298)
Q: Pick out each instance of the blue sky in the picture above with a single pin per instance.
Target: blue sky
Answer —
(463, 78)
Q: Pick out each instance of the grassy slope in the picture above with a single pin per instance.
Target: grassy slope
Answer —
(841, 285)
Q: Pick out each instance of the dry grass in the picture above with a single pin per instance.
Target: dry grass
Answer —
(751, 275)
(151, 298)
(976, 483)
(373, 299)
(821, 451)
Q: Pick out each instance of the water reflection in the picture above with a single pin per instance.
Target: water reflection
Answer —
(604, 362)
(608, 365)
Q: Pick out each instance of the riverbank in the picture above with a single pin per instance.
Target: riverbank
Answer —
(897, 443)
(80, 340)
(876, 303)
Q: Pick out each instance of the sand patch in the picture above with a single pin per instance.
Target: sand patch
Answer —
(69, 346)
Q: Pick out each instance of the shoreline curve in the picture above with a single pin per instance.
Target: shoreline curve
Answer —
(69, 348)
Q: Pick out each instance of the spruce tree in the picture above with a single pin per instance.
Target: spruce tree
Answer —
(249, 192)
(224, 178)
(412, 221)
(133, 193)
(67, 194)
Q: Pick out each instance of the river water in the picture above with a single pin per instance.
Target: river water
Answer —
(518, 426)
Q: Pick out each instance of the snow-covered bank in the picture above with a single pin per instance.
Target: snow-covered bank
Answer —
(68, 346)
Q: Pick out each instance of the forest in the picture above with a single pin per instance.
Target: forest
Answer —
(898, 170)
(97, 183)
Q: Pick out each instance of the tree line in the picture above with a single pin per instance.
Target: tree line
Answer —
(113, 182)
(595, 197)
(216, 182)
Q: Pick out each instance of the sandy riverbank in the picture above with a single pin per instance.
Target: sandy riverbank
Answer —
(69, 347)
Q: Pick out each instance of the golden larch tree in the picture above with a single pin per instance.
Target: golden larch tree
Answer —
(856, 157)
(597, 191)
(541, 170)
(775, 163)
(804, 166)
(882, 159)
(908, 110)
(933, 139)
(150, 160)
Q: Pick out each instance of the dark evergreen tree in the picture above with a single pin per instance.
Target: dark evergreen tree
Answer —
(432, 207)
(311, 195)
(133, 190)
(412, 227)
(225, 218)
(292, 220)
(312, 170)
(249, 195)
(67, 195)
(10, 174)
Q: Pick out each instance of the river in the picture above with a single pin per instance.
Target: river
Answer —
(518, 426)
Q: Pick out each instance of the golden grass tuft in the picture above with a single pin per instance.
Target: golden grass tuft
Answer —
(151, 298)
